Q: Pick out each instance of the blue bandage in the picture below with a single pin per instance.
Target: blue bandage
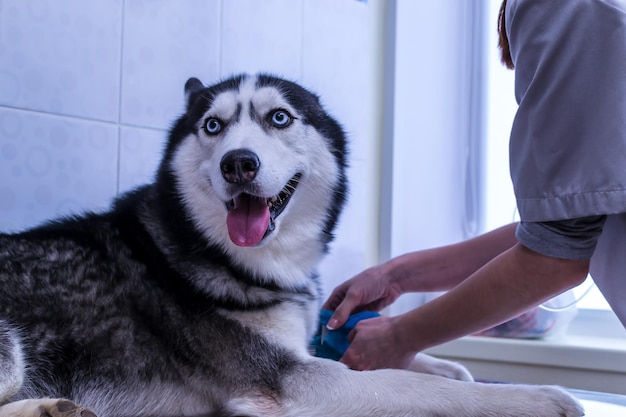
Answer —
(336, 341)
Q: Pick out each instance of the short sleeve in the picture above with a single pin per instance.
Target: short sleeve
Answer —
(568, 140)
(574, 239)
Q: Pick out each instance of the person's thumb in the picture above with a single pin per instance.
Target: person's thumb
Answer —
(339, 317)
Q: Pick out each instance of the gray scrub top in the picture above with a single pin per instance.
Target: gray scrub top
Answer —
(568, 140)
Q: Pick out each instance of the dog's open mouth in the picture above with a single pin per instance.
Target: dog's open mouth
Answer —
(251, 218)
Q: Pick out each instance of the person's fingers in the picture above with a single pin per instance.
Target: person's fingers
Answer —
(351, 360)
(335, 299)
(338, 318)
(343, 311)
(351, 334)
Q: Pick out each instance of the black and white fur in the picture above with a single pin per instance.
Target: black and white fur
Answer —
(161, 307)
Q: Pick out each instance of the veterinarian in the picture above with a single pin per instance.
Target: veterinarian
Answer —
(568, 166)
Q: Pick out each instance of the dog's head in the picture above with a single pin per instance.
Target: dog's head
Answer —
(257, 161)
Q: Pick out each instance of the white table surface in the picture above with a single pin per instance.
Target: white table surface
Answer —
(598, 404)
(600, 409)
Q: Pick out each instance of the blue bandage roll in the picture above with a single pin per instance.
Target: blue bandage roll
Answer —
(336, 341)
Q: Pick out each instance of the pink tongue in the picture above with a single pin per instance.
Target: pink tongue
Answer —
(248, 221)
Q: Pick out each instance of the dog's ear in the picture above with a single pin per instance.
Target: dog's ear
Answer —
(192, 86)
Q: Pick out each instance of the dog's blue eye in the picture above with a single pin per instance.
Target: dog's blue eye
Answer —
(281, 118)
(212, 126)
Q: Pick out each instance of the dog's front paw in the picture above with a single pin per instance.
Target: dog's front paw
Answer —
(530, 401)
(554, 401)
(426, 364)
(45, 407)
(516, 400)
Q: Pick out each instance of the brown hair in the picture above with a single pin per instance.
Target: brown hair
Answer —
(503, 41)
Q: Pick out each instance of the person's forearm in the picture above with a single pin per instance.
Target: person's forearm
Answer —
(514, 282)
(443, 268)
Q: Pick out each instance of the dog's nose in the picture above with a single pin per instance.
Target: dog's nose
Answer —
(240, 166)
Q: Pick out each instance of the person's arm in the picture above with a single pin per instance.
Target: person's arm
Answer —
(443, 268)
(436, 269)
(515, 281)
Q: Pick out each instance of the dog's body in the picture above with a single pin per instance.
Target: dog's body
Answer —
(198, 294)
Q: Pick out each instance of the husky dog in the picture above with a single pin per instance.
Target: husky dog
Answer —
(197, 295)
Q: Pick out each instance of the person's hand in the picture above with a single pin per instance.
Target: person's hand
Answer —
(376, 344)
(370, 290)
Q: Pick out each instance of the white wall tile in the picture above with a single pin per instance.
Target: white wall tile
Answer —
(166, 43)
(140, 154)
(61, 57)
(262, 36)
(52, 166)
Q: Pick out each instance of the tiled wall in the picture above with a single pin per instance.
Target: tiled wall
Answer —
(89, 88)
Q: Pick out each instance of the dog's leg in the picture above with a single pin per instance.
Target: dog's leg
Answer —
(11, 362)
(45, 407)
(325, 388)
(426, 364)
(12, 378)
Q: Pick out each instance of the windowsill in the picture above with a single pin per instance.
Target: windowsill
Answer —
(573, 361)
